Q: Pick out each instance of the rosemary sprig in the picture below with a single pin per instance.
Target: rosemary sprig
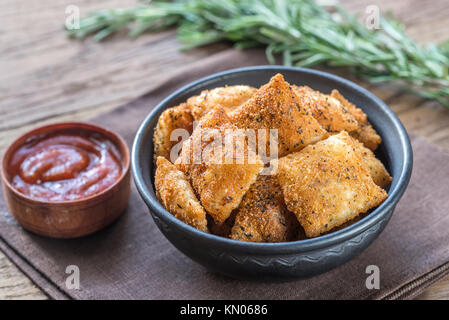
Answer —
(301, 31)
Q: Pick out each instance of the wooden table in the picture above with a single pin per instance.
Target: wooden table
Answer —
(45, 77)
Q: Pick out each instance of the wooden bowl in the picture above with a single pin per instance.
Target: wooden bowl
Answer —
(68, 219)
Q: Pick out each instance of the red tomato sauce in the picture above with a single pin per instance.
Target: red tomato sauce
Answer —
(65, 166)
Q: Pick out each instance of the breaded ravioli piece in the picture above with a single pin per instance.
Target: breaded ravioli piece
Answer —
(179, 117)
(327, 184)
(335, 113)
(276, 106)
(177, 196)
(327, 110)
(262, 215)
(357, 113)
(229, 98)
(219, 176)
(375, 167)
(367, 135)
(365, 132)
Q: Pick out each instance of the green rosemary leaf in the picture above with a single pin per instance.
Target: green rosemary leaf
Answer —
(301, 32)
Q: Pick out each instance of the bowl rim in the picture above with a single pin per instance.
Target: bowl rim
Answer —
(61, 126)
(305, 245)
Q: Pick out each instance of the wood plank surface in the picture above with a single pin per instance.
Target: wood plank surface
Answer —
(45, 77)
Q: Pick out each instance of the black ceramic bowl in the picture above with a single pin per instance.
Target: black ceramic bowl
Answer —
(288, 260)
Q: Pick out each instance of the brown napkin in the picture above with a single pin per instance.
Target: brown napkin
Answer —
(131, 259)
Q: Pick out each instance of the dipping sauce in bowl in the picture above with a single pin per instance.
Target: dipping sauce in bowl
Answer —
(66, 180)
(65, 166)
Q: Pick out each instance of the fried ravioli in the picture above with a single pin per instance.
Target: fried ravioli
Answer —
(229, 98)
(327, 110)
(177, 196)
(262, 215)
(367, 135)
(219, 183)
(375, 167)
(179, 117)
(336, 114)
(327, 184)
(357, 113)
(276, 106)
(326, 174)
